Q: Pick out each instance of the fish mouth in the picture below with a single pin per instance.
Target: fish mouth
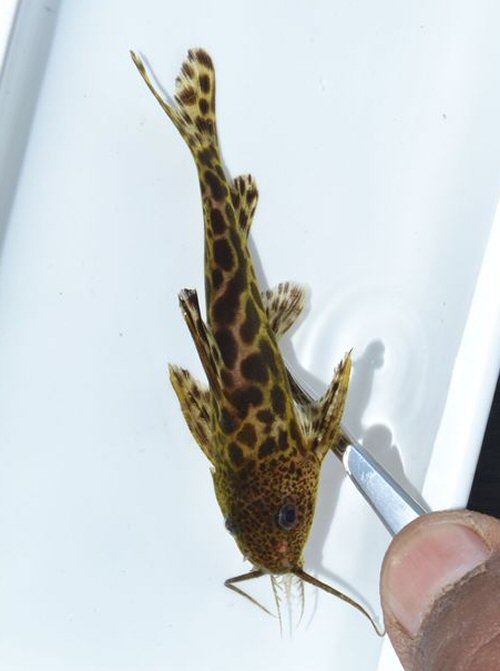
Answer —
(285, 558)
(282, 548)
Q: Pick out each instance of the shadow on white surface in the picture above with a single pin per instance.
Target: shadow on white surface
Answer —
(21, 79)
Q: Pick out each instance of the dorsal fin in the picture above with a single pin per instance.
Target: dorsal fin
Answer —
(202, 337)
(283, 305)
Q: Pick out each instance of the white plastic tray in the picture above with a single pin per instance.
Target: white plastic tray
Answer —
(372, 129)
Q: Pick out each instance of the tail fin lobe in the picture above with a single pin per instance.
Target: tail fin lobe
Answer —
(194, 112)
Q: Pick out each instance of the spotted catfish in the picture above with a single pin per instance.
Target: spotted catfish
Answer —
(266, 449)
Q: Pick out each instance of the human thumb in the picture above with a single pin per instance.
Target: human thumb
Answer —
(440, 590)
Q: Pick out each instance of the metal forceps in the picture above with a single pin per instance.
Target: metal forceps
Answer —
(394, 506)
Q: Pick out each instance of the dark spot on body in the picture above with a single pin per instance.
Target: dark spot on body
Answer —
(267, 447)
(242, 399)
(217, 221)
(227, 423)
(235, 454)
(253, 367)
(278, 400)
(265, 416)
(282, 440)
(206, 156)
(247, 435)
(217, 278)
(218, 188)
(250, 327)
(226, 306)
(227, 346)
(204, 83)
(223, 254)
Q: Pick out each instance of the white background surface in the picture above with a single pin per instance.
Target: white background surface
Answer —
(372, 129)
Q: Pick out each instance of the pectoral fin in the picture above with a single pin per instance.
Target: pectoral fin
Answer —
(195, 405)
(325, 415)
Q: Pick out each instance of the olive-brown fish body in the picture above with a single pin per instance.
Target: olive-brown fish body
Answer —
(266, 448)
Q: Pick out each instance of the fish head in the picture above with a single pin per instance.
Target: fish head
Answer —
(269, 510)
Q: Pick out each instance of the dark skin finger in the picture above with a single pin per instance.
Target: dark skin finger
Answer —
(440, 590)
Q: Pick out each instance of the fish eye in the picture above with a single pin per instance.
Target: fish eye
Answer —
(230, 525)
(287, 516)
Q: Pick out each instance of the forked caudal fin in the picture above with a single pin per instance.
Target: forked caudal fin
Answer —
(194, 112)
